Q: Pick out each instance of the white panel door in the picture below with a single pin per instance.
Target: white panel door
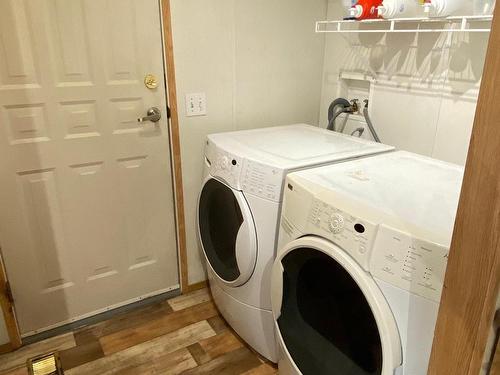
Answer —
(86, 200)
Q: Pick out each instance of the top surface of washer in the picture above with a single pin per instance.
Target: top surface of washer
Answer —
(412, 188)
(295, 146)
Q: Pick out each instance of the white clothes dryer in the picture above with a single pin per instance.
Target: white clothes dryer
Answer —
(238, 214)
(357, 280)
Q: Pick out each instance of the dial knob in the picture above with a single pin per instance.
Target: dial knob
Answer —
(336, 224)
(224, 162)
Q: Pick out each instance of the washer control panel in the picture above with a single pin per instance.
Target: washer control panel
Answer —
(409, 263)
(224, 165)
(262, 180)
(352, 234)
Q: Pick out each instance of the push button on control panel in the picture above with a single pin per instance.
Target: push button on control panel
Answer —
(360, 228)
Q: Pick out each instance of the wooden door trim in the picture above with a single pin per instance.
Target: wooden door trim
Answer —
(472, 278)
(196, 286)
(175, 143)
(7, 308)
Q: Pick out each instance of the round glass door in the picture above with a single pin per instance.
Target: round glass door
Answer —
(227, 232)
(324, 318)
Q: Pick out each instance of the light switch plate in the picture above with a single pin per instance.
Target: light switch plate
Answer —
(196, 104)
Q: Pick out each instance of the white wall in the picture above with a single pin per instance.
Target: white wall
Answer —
(260, 64)
(425, 90)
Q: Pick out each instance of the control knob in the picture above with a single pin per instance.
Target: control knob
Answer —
(336, 224)
(223, 162)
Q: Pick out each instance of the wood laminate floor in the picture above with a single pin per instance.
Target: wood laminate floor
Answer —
(183, 335)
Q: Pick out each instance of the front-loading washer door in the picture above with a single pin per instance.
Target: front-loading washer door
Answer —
(330, 315)
(227, 232)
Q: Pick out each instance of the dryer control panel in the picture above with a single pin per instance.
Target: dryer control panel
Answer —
(244, 174)
(409, 263)
(262, 180)
(352, 234)
(224, 165)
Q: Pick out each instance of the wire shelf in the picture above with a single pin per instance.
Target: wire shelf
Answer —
(455, 24)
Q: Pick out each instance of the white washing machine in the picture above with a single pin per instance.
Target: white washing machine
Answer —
(362, 253)
(238, 214)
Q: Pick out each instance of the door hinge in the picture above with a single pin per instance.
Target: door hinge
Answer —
(169, 113)
(8, 293)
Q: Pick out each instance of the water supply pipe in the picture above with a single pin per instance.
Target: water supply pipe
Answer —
(336, 108)
(369, 122)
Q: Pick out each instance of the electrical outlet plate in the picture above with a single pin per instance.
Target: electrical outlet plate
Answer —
(196, 104)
